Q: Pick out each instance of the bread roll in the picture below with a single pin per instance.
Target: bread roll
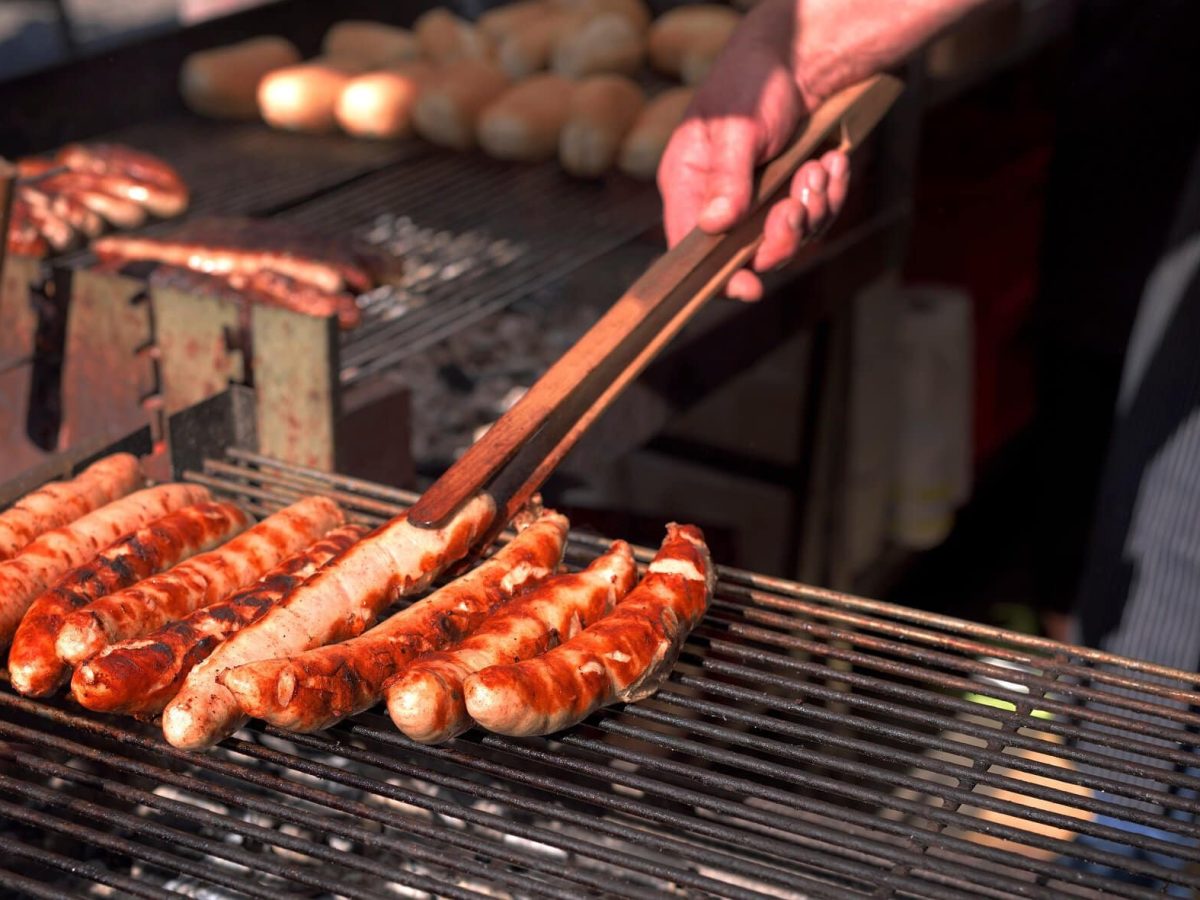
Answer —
(444, 37)
(528, 49)
(602, 110)
(380, 104)
(700, 56)
(523, 124)
(371, 43)
(497, 24)
(644, 145)
(304, 97)
(636, 11)
(606, 43)
(449, 105)
(680, 31)
(223, 82)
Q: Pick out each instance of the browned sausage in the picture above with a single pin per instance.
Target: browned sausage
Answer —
(95, 192)
(60, 502)
(313, 690)
(426, 699)
(623, 657)
(139, 676)
(33, 664)
(196, 582)
(56, 552)
(336, 603)
(117, 159)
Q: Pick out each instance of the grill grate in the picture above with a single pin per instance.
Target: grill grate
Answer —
(808, 744)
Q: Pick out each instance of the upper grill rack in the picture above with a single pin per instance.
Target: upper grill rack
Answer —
(808, 744)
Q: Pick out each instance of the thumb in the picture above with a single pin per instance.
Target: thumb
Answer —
(734, 148)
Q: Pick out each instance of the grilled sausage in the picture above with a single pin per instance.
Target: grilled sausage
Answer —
(623, 657)
(197, 582)
(313, 690)
(139, 676)
(338, 602)
(602, 111)
(56, 552)
(24, 236)
(644, 145)
(60, 502)
(93, 192)
(130, 174)
(426, 699)
(380, 104)
(54, 229)
(449, 105)
(371, 44)
(33, 664)
(65, 206)
(524, 122)
(267, 286)
(223, 82)
(219, 260)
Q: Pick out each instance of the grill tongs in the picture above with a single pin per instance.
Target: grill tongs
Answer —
(518, 453)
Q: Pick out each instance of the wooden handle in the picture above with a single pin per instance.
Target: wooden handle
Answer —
(546, 423)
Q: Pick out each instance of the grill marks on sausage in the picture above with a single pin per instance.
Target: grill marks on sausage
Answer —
(426, 701)
(310, 691)
(33, 663)
(338, 601)
(60, 502)
(46, 559)
(197, 582)
(139, 676)
(622, 657)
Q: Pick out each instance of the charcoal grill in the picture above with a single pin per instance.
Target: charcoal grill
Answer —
(808, 744)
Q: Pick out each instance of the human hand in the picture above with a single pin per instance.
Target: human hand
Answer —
(743, 115)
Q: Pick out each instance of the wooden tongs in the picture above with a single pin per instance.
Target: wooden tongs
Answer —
(518, 453)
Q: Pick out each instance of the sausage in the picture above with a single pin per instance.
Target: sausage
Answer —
(644, 145)
(223, 82)
(59, 502)
(448, 107)
(497, 24)
(676, 32)
(312, 690)
(118, 159)
(380, 104)
(603, 109)
(426, 699)
(139, 676)
(24, 236)
(65, 207)
(197, 582)
(93, 191)
(606, 43)
(445, 38)
(56, 552)
(371, 44)
(303, 97)
(34, 166)
(54, 229)
(277, 289)
(623, 657)
(339, 601)
(525, 121)
(220, 260)
(33, 663)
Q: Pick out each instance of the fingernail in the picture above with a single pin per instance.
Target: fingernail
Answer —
(805, 193)
(718, 208)
(817, 179)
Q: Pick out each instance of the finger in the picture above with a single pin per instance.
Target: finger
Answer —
(733, 146)
(809, 186)
(683, 179)
(782, 233)
(837, 164)
(744, 285)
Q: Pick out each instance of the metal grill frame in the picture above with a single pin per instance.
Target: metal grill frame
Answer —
(808, 743)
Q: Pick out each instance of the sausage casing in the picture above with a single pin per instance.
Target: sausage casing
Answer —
(623, 657)
(426, 699)
(33, 663)
(139, 676)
